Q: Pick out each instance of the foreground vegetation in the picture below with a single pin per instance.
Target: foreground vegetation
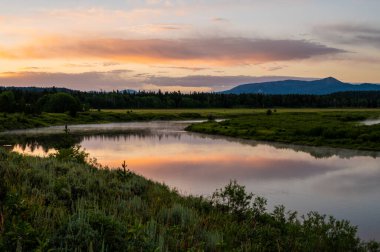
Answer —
(63, 203)
(317, 128)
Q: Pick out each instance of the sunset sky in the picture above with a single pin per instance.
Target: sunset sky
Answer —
(186, 45)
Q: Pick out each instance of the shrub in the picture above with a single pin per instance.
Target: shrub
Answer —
(73, 153)
(233, 198)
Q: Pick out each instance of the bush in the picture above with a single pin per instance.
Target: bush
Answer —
(73, 153)
(233, 198)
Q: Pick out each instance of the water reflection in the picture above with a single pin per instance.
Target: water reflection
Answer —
(371, 122)
(54, 138)
(343, 183)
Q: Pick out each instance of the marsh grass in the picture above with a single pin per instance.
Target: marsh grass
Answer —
(23, 121)
(10, 121)
(336, 129)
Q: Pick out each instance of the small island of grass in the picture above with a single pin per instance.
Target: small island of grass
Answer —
(341, 129)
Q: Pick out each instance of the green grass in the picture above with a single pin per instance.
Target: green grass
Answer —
(203, 112)
(316, 128)
(23, 121)
(64, 204)
(235, 111)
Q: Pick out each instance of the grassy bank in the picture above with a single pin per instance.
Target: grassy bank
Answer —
(9, 121)
(22, 121)
(64, 204)
(316, 128)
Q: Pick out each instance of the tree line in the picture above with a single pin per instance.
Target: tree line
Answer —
(55, 100)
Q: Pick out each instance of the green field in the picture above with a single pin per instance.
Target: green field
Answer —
(234, 111)
(335, 128)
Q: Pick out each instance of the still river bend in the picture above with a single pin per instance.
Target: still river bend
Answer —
(342, 183)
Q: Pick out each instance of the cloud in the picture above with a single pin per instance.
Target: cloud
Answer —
(32, 68)
(275, 68)
(217, 51)
(170, 26)
(194, 69)
(351, 34)
(92, 64)
(109, 80)
(353, 181)
(219, 19)
(124, 79)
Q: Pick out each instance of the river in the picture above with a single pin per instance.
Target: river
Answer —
(338, 182)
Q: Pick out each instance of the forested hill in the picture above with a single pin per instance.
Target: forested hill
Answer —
(54, 100)
(316, 87)
(39, 89)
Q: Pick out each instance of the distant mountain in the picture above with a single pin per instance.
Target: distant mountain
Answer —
(316, 87)
(129, 91)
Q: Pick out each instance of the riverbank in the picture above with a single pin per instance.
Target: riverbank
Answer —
(23, 121)
(65, 203)
(315, 128)
(11, 121)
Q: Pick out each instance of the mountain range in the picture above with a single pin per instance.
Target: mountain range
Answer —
(315, 87)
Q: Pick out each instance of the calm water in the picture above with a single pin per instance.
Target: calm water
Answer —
(336, 182)
(371, 122)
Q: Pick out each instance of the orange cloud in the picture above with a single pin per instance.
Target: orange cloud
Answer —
(5, 54)
(202, 51)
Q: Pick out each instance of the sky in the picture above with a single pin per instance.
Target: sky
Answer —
(193, 45)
